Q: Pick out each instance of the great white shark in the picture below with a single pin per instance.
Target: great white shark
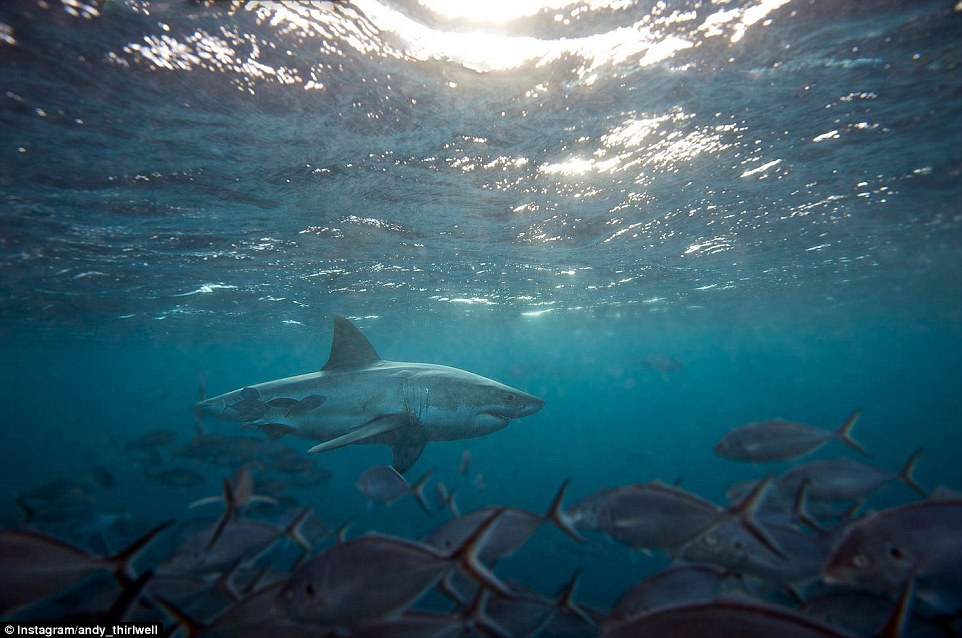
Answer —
(358, 397)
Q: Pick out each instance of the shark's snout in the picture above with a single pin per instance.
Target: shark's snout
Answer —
(526, 405)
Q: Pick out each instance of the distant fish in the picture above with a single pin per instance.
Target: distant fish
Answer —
(663, 364)
(103, 477)
(780, 440)
(384, 484)
(465, 464)
(447, 499)
(238, 494)
(223, 451)
(479, 483)
(177, 477)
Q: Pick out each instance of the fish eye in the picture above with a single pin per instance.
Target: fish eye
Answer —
(511, 398)
(309, 590)
(737, 544)
(859, 561)
(895, 552)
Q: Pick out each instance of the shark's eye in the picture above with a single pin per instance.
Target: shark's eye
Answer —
(309, 590)
(895, 553)
(510, 398)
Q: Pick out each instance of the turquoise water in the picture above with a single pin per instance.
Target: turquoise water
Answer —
(764, 193)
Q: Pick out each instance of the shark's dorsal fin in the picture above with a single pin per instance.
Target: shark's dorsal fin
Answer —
(349, 348)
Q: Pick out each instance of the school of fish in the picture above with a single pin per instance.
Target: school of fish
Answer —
(793, 554)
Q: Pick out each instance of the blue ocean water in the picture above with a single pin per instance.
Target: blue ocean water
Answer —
(666, 219)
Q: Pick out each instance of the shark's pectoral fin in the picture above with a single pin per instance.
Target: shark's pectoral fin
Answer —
(406, 443)
(374, 427)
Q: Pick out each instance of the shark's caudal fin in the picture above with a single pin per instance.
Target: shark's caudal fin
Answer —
(349, 348)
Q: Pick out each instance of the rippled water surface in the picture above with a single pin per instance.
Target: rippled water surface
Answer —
(664, 218)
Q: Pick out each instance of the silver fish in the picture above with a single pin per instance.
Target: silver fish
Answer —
(655, 515)
(374, 575)
(921, 542)
(677, 585)
(730, 546)
(35, 566)
(845, 479)
(384, 484)
(513, 528)
(781, 440)
(256, 616)
(724, 619)
(177, 477)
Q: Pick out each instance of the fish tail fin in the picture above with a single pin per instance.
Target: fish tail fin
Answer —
(452, 503)
(894, 626)
(476, 617)
(449, 589)
(226, 581)
(207, 500)
(29, 512)
(850, 514)
(295, 532)
(907, 473)
(122, 560)
(745, 512)
(130, 594)
(190, 627)
(418, 490)
(340, 534)
(844, 434)
(230, 503)
(467, 556)
(800, 508)
(557, 515)
(566, 600)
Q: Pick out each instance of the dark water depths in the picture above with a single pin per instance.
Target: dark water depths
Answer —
(766, 193)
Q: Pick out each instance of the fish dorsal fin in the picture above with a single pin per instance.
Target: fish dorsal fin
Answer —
(349, 348)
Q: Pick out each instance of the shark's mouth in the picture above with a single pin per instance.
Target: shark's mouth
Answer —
(500, 417)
